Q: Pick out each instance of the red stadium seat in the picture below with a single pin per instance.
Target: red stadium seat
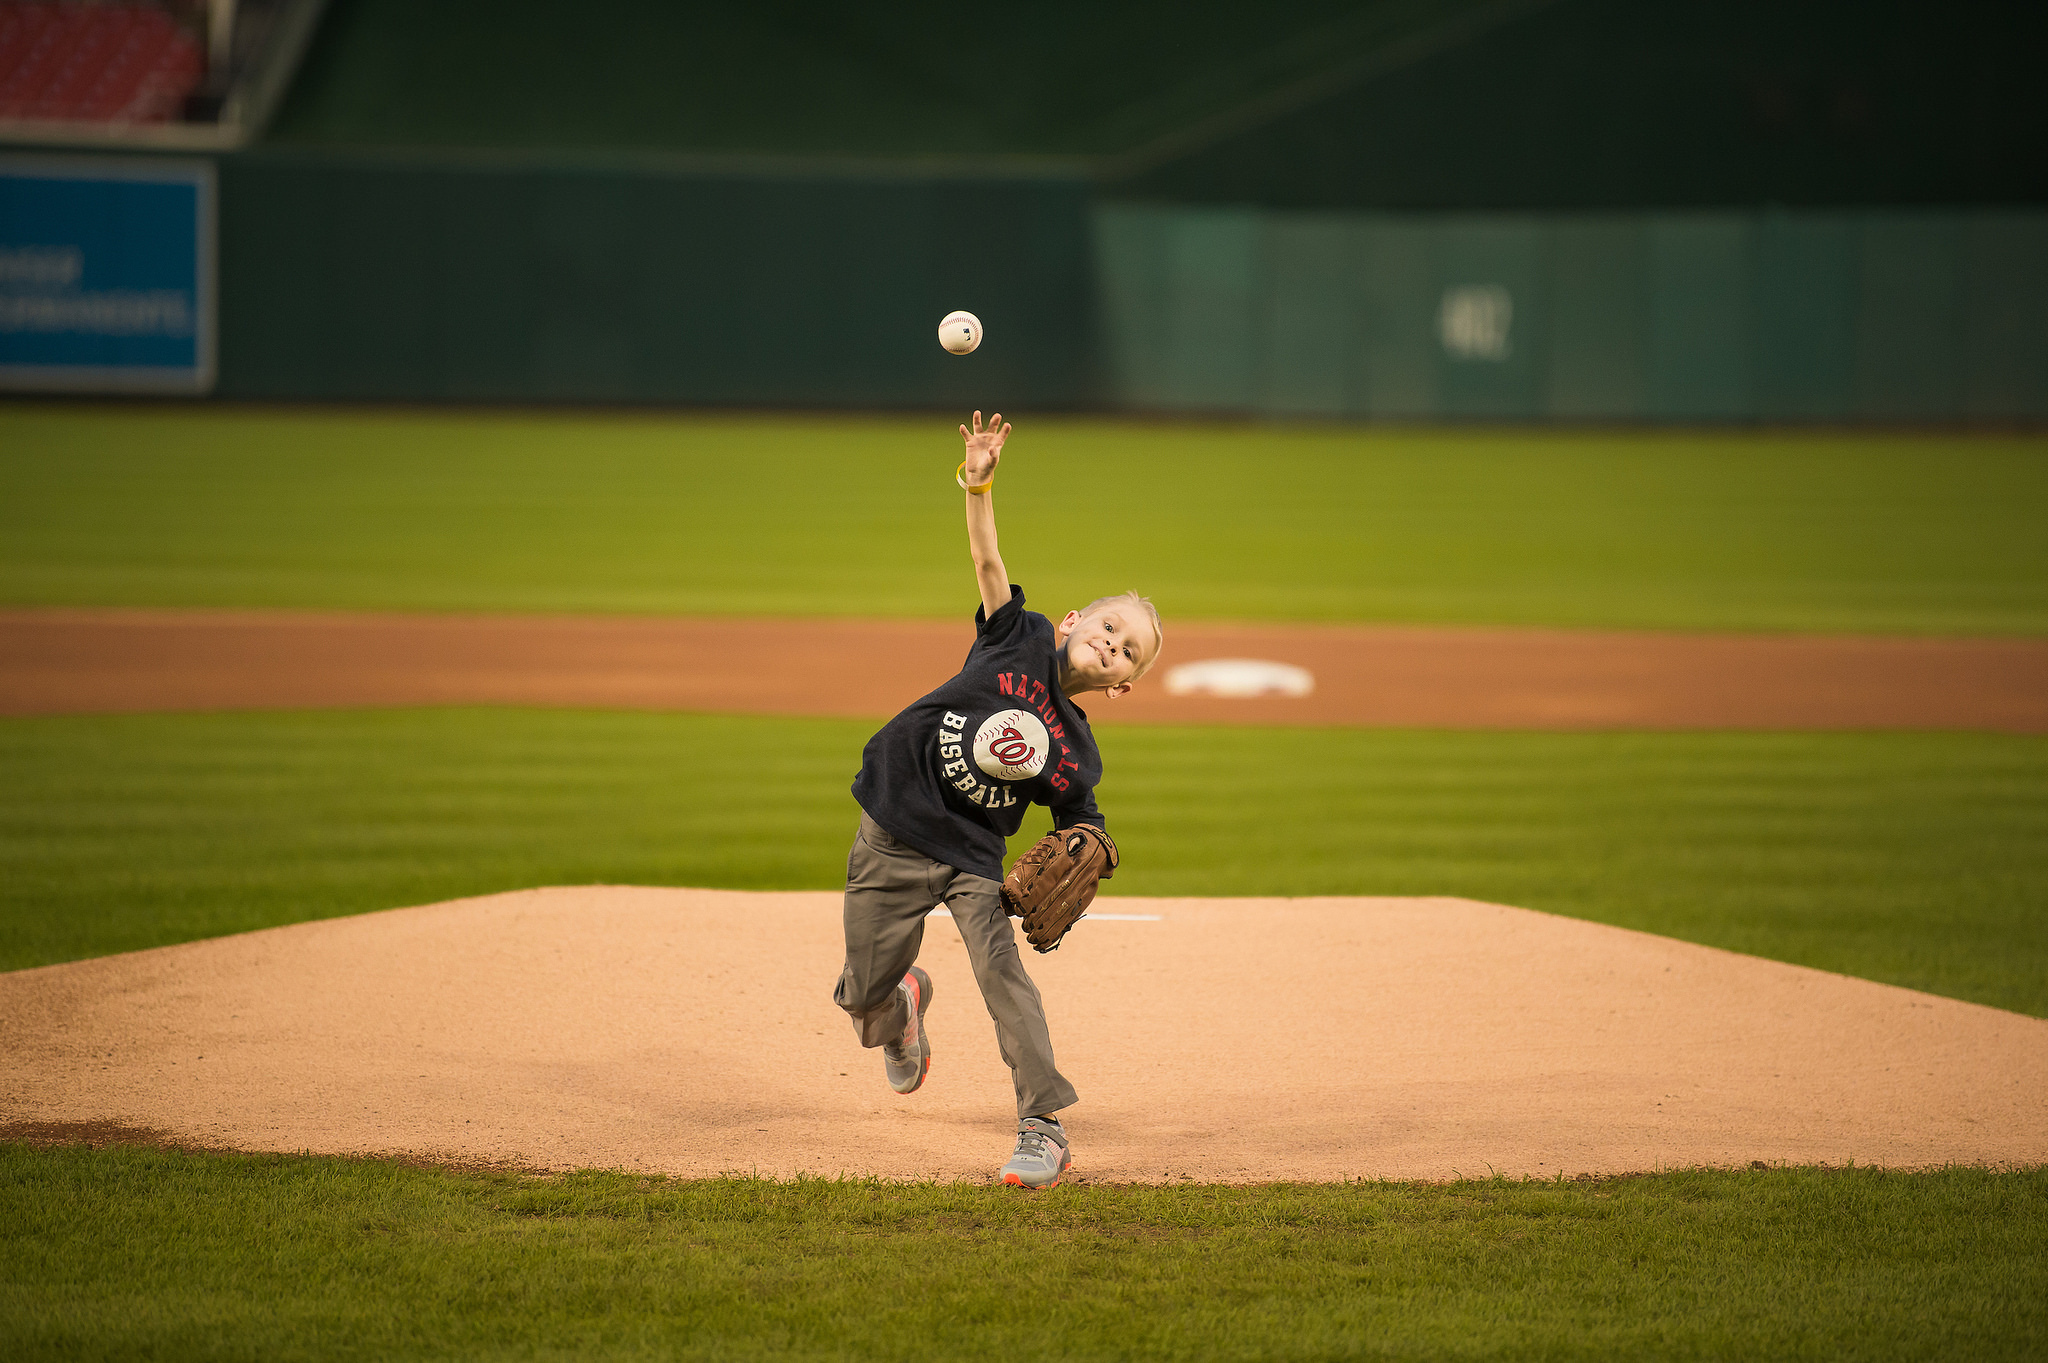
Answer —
(95, 63)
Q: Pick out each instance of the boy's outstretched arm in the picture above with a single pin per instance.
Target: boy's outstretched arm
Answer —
(984, 452)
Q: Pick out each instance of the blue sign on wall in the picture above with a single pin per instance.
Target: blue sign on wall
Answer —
(106, 275)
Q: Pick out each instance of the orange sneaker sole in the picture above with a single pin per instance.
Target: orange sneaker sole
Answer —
(1015, 1182)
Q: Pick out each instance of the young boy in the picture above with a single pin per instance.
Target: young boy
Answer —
(946, 782)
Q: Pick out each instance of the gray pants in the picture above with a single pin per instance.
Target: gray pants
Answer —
(890, 887)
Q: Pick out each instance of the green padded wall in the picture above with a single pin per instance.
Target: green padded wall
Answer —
(2005, 316)
(1698, 292)
(1212, 267)
(1310, 330)
(415, 279)
(1480, 263)
(1909, 328)
(423, 279)
(1770, 316)
(1397, 302)
(1599, 318)
(1804, 299)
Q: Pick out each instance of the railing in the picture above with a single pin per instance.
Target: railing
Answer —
(130, 76)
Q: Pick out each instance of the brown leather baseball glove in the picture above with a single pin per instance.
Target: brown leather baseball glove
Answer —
(1053, 882)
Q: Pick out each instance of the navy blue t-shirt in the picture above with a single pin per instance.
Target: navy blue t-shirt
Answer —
(953, 773)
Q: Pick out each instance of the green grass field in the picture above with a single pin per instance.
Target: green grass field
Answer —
(1919, 859)
(857, 515)
(150, 1254)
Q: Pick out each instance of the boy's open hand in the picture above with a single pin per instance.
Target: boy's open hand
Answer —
(984, 448)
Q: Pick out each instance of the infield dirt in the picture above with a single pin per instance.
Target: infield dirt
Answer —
(68, 662)
(692, 1032)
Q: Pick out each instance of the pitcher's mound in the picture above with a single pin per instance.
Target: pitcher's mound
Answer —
(692, 1032)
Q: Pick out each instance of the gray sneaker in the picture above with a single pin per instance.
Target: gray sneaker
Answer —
(1042, 1154)
(908, 1061)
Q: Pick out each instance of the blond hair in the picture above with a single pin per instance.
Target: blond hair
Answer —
(1151, 613)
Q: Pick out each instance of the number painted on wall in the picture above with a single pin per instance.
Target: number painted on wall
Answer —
(1474, 320)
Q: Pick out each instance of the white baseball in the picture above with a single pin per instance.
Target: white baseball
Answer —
(960, 332)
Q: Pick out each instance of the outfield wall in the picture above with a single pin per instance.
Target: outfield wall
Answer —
(415, 278)
(422, 278)
(1938, 315)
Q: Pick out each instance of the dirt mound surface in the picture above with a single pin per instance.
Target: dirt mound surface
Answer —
(71, 662)
(692, 1032)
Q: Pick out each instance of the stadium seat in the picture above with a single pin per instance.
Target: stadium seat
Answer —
(95, 63)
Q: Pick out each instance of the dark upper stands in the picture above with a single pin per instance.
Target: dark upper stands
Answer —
(95, 63)
(809, 77)
(1340, 104)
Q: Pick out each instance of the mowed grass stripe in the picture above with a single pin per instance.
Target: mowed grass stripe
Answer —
(857, 515)
(1916, 859)
(145, 1253)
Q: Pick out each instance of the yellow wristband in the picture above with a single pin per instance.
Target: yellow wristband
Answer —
(960, 477)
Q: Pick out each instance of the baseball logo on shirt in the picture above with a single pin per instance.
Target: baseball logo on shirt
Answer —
(1011, 745)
